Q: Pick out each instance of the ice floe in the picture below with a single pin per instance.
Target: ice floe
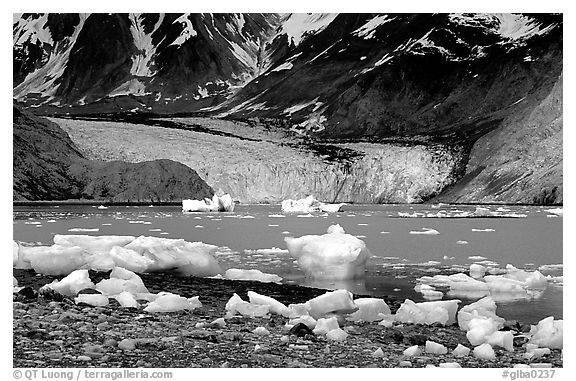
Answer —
(309, 205)
(334, 255)
(218, 203)
(425, 231)
(242, 274)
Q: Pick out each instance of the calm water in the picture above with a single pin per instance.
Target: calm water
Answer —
(398, 256)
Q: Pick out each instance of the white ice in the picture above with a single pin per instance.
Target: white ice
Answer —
(335, 255)
(483, 308)
(435, 348)
(121, 280)
(425, 231)
(370, 309)
(337, 334)
(168, 302)
(242, 274)
(96, 300)
(441, 311)
(126, 299)
(325, 325)
(70, 285)
(236, 305)
(484, 352)
(414, 350)
(274, 305)
(477, 271)
(223, 203)
(309, 205)
(461, 351)
(333, 302)
(51, 260)
(548, 333)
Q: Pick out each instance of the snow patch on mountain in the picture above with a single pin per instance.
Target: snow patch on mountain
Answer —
(133, 86)
(369, 29)
(514, 26)
(142, 61)
(284, 66)
(33, 30)
(297, 25)
(43, 80)
(188, 31)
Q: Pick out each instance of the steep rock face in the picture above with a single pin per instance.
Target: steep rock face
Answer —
(139, 62)
(48, 166)
(521, 161)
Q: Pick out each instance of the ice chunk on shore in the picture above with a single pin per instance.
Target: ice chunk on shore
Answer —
(479, 329)
(52, 260)
(369, 310)
(126, 299)
(548, 333)
(168, 302)
(323, 326)
(412, 351)
(461, 351)
(14, 254)
(483, 308)
(441, 311)
(70, 285)
(274, 306)
(96, 300)
(484, 352)
(241, 274)
(337, 334)
(130, 259)
(334, 255)
(236, 305)
(435, 348)
(334, 302)
(188, 258)
(503, 339)
(121, 280)
(307, 320)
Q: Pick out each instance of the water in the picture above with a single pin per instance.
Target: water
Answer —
(398, 256)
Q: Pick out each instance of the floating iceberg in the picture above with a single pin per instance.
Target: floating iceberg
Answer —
(425, 231)
(309, 205)
(222, 203)
(334, 302)
(369, 310)
(241, 274)
(335, 255)
(70, 285)
(459, 284)
(441, 311)
(168, 302)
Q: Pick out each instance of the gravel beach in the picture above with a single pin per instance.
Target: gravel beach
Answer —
(55, 332)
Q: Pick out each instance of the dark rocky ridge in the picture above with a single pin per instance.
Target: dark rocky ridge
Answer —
(48, 166)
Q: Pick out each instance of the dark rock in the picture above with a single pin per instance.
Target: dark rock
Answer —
(28, 293)
(519, 341)
(300, 330)
(89, 291)
(416, 339)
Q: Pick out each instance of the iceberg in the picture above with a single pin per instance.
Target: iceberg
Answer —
(241, 274)
(483, 308)
(369, 310)
(95, 300)
(274, 306)
(425, 231)
(459, 283)
(188, 258)
(309, 205)
(334, 255)
(441, 311)
(218, 203)
(121, 280)
(168, 302)
(70, 285)
(323, 326)
(334, 302)
(484, 352)
(130, 259)
(236, 305)
(52, 260)
(548, 333)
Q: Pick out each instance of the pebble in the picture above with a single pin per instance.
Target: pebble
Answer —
(127, 344)
(405, 364)
(83, 358)
(110, 343)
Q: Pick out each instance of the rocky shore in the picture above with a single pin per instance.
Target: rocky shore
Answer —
(55, 332)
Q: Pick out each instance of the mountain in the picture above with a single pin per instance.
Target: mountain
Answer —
(48, 166)
(488, 84)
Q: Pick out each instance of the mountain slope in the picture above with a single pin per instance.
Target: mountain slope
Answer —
(48, 166)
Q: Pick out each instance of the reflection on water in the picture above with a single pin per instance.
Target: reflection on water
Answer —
(253, 238)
